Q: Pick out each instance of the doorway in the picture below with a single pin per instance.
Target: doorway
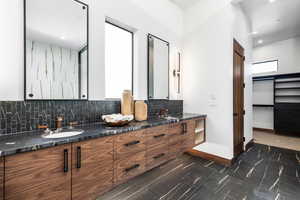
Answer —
(238, 98)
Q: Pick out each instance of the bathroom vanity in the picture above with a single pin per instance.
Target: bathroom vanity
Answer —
(90, 164)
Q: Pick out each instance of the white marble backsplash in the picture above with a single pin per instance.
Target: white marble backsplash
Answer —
(52, 71)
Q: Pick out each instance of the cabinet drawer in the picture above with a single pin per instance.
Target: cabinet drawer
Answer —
(130, 143)
(157, 136)
(175, 150)
(157, 156)
(175, 133)
(130, 167)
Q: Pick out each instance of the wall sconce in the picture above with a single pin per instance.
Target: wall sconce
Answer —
(177, 73)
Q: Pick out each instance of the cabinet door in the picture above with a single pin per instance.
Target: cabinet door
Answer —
(1, 178)
(39, 175)
(189, 135)
(92, 168)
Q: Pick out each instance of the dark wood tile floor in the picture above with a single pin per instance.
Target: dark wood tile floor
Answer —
(261, 173)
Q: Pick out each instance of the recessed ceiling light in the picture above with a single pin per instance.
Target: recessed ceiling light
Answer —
(260, 41)
(254, 32)
(62, 37)
(272, 1)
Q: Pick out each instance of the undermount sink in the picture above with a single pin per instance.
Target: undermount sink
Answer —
(170, 118)
(63, 134)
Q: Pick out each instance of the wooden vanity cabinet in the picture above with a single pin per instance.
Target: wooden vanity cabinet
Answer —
(1, 178)
(86, 170)
(92, 168)
(39, 175)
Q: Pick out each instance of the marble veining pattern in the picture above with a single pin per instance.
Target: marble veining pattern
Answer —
(52, 71)
(261, 173)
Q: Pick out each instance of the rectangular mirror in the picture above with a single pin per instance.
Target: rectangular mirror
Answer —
(158, 68)
(56, 50)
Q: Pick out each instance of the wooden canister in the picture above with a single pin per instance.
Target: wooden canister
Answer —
(127, 103)
(141, 111)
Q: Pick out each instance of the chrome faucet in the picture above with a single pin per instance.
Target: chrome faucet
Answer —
(163, 112)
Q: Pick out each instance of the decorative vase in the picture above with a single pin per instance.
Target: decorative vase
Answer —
(127, 103)
(141, 111)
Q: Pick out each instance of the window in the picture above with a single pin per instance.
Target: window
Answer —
(118, 60)
(265, 67)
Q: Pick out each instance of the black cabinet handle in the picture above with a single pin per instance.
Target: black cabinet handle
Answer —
(132, 143)
(159, 136)
(159, 156)
(132, 168)
(66, 160)
(78, 157)
(184, 128)
(235, 114)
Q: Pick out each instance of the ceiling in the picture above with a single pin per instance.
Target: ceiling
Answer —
(274, 21)
(58, 22)
(185, 4)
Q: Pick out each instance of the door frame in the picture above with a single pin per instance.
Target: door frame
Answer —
(238, 49)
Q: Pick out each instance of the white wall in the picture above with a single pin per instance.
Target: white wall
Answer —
(165, 22)
(286, 52)
(241, 30)
(208, 70)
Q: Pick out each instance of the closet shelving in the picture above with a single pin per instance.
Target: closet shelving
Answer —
(263, 105)
(286, 98)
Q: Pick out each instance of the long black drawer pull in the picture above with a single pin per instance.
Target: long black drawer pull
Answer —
(66, 160)
(159, 156)
(159, 136)
(184, 128)
(132, 143)
(132, 168)
(78, 157)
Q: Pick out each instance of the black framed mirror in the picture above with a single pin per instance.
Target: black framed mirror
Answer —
(158, 68)
(56, 59)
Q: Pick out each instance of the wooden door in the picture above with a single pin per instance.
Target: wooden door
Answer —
(1, 178)
(39, 175)
(238, 98)
(92, 168)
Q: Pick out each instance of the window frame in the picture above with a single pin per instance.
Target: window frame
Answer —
(132, 56)
(268, 61)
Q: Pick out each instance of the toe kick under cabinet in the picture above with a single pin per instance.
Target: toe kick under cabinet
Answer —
(87, 169)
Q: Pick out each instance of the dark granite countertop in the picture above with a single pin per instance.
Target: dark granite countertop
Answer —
(31, 141)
